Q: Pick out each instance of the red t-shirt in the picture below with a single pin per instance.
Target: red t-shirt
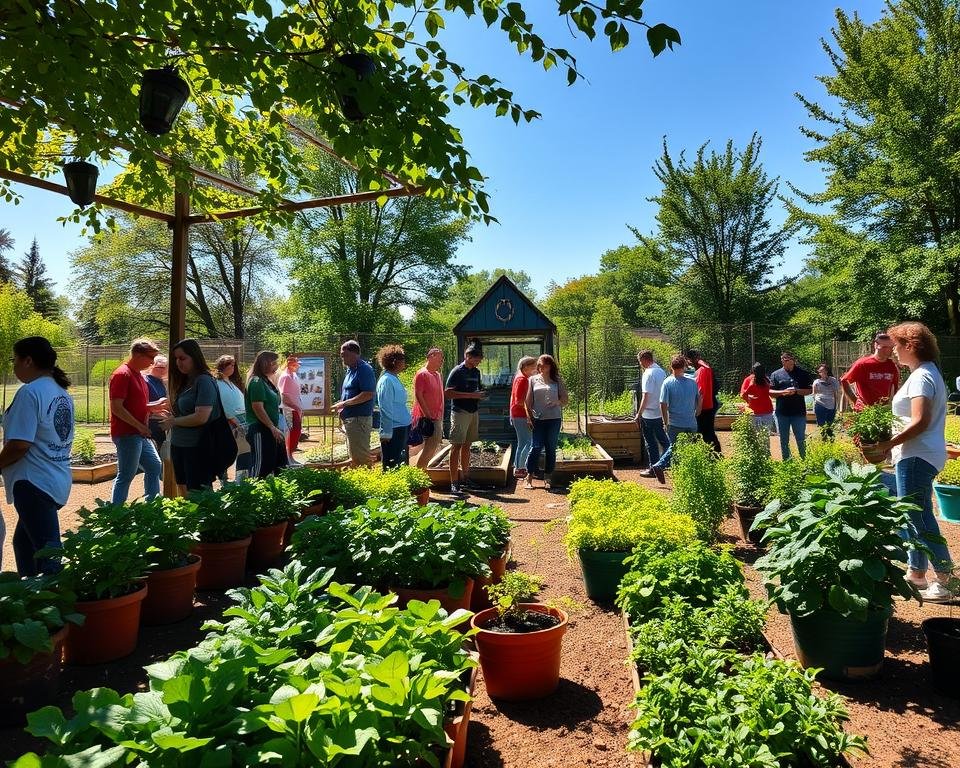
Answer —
(704, 379)
(518, 396)
(128, 385)
(430, 388)
(874, 380)
(756, 396)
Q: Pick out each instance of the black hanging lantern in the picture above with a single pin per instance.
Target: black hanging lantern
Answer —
(81, 179)
(162, 95)
(355, 68)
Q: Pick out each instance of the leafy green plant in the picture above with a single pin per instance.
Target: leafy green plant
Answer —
(950, 474)
(613, 406)
(222, 518)
(574, 447)
(399, 544)
(315, 485)
(84, 445)
(839, 547)
(699, 485)
(416, 479)
(730, 404)
(273, 499)
(32, 610)
(659, 571)
(169, 525)
(874, 424)
(749, 468)
(607, 516)
(515, 588)
(717, 708)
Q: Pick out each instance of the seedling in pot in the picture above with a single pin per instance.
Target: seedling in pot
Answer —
(509, 596)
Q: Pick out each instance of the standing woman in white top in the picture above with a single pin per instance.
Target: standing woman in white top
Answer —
(919, 450)
(35, 460)
(546, 397)
(826, 395)
(230, 385)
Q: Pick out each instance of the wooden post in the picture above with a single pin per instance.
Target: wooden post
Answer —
(178, 299)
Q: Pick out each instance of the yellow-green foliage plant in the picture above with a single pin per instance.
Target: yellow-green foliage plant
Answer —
(699, 485)
(606, 516)
(950, 474)
(374, 483)
(952, 429)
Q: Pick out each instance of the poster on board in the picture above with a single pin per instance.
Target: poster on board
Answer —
(314, 380)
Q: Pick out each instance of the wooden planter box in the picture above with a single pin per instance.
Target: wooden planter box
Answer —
(95, 473)
(344, 463)
(602, 464)
(724, 421)
(497, 476)
(620, 438)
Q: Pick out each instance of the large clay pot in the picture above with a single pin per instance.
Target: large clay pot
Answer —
(266, 546)
(222, 565)
(745, 516)
(170, 594)
(110, 629)
(320, 508)
(520, 666)
(31, 685)
(843, 647)
(458, 725)
(422, 496)
(480, 600)
(873, 455)
(450, 604)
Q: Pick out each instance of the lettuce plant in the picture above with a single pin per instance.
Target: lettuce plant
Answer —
(32, 610)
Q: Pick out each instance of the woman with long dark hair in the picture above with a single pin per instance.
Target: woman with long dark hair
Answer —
(232, 389)
(269, 453)
(546, 397)
(35, 460)
(193, 395)
(755, 392)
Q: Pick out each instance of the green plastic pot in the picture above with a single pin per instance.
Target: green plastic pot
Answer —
(602, 573)
(843, 647)
(948, 501)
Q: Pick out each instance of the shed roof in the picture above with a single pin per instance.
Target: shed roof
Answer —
(504, 308)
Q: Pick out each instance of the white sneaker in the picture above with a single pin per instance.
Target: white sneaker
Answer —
(936, 593)
(919, 583)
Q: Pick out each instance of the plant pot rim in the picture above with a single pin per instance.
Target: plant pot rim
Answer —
(444, 588)
(945, 486)
(931, 624)
(480, 618)
(137, 594)
(272, 526)
(747, 507)
(595, 551)
(871, 612)
(231, 543)
(193, 563)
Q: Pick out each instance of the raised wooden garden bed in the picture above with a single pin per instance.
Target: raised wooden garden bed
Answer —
(96, 472)
(601, 463)
(620, 437)
(439, 469)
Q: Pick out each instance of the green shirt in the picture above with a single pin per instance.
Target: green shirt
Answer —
(260, 391)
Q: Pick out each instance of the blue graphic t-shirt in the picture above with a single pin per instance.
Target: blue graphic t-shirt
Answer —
(41, 414)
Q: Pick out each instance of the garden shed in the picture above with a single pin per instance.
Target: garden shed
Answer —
(508, 325)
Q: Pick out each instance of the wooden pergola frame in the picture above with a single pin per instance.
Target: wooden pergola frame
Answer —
(180, 219)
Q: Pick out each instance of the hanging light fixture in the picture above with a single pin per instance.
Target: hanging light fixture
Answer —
(355, 68)
(162, 95)
(81, 179)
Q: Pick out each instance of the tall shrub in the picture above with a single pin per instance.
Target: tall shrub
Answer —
(699, 487)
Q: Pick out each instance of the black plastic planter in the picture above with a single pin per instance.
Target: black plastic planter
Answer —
(354, 68)
(162, 95)
(943, 644)
(81, 178)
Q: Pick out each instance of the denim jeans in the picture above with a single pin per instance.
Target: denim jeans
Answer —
(38, 527)
(824, 415)
(546, 433)
(915, 480)
(672, 432)
(136, 452)
(655, 438)
(766, 421)
(524, 440)
(799, 426)
(393, 452)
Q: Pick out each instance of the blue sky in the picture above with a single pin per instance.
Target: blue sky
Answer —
(565, 186)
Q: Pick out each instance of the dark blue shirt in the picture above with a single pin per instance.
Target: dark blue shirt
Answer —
(157, 389)
(798, 378)
(463, 379)
(360, 378)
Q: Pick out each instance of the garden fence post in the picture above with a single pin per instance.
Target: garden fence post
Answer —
(586, 394)
(86, 375)
(753, 349)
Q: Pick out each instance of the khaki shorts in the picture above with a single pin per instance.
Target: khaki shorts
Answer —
(464, 427)
(357, 429)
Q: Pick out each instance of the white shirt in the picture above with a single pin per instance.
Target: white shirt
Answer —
(232, 399)
(652, 381)
(930, 445)
(41, 414)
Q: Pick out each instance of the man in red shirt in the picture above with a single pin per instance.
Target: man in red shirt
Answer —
(875, 376)
(708, 411)
(428, 393)
(129, 423)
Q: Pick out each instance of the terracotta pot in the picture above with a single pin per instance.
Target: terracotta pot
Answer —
(422, 496)
(953, 452)
(110, 629)
(320, 508)
(223, 564)
(872, 455)
(266, 546)
(450, 604)
(170, 594)
(746, 515)
(458, 726)
(480, 600)
(517, 667)
(34, 684)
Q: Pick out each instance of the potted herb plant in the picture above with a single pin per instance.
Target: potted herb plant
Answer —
(607, 520)
(872, 425)
(834, 564)
(519, 642)
(275, 501)
(749, 473)
(494, 527)
(34, 620)
(315, 485)
(947, 489)
(224, 531)
(105, 569)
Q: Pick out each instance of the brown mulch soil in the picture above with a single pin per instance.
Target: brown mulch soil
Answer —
(99, 458)
(585, 723)
(484, 458)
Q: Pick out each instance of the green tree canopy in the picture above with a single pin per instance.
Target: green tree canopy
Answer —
(17, 320)
(73, 70)
(30, 274)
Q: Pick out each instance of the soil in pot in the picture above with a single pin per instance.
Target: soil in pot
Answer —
(528, 621)
(29, 686)
(943, 645)
(485, 457)
(170, 593)
(266, 546)
(110, 629)
(222, 564)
